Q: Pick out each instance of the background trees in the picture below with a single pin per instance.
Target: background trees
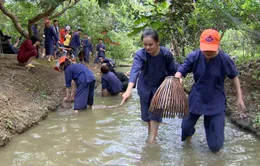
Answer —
(120, 22)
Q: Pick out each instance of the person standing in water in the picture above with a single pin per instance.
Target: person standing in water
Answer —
(209, 66)
(85, 83)
(154, 63)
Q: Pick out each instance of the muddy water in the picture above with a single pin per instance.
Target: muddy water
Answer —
(111, 134)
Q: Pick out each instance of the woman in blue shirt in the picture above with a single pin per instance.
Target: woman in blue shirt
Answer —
(209, 66)
(152, 64)
(85, 82)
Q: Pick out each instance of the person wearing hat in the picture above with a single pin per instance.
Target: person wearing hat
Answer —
(50, 37)
(63, 32)
(210, 66)
(85, 83)
(28, 51)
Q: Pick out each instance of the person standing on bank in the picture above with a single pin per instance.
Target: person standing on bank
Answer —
(209, 66)
(85, 44)
(154, 63)
(75, 43)
(85, 83)
(56, 29)
(50, 37)
(101, 52)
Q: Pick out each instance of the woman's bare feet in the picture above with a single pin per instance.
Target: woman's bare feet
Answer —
(76, 111)
(151, 141)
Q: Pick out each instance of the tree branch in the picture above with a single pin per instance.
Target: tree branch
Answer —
(40, 16)
(15, 20)
(72, 4)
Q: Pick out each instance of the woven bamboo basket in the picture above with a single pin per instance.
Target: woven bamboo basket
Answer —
(170, 100)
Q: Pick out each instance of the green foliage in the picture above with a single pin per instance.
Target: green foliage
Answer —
(256, 121)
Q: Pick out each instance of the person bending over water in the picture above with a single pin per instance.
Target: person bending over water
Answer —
(122, 77)
(111, 85)
(85, 83)
(152, 64)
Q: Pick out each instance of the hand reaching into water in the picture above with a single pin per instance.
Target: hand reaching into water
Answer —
(125, 97)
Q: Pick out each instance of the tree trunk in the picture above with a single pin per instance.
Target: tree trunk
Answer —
(175, 48)
(14, 19)
(35, 19)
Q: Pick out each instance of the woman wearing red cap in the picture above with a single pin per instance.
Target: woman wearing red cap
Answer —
(209, 66)
(50, 36)
(85, 82)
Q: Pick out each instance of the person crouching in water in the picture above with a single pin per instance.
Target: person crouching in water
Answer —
(85, 82)
(122, 77)
(111, 85)
(28, 51)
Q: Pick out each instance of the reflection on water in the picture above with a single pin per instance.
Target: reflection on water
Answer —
(111, 134)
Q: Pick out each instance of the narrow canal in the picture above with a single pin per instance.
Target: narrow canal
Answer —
(111, 134)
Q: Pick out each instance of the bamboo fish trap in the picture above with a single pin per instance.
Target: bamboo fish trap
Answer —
(170, 100)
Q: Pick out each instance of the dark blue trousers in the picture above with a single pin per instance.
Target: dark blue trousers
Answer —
(84, 96)
(86, 57)
(214, 128)
(145, 114)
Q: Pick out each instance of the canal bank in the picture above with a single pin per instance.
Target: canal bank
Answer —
(26, 97)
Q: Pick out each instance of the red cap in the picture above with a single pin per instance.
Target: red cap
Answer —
(209, 40)
(61, 60)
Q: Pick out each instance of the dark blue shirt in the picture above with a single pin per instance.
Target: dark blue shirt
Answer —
(207, 96)
(35, 30)
(85, 43)
(50, 36)
(90, 47)
(79, 73)
(151, 70)
(101, 52)
(75, 40)
(109, 62)
(111, 83)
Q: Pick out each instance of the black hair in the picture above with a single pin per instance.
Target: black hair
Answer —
(34, 39)
(112, 70)
(1, 33)
(55, 21)
(85, 34)
(100, 39)
(150, 32)
(104, 69)
(80, 30)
